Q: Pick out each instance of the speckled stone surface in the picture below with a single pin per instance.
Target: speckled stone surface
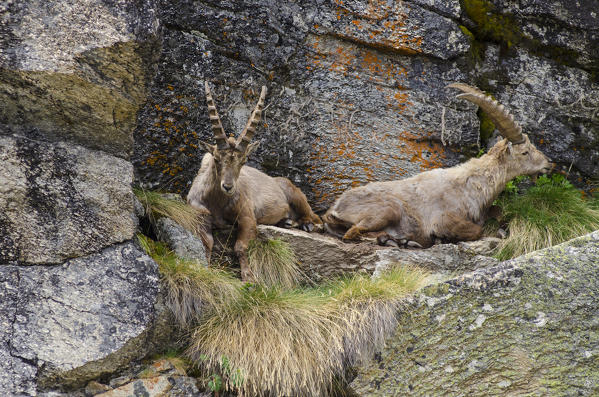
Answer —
(63, 325)
(59, 201)
(183, 242)
(528, 326)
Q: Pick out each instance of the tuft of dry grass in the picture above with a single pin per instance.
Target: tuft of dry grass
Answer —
(367, 307)
(273, 262)
(192, 288)
(158, 205)
(550, 212)
(280, 342)
(299, 341)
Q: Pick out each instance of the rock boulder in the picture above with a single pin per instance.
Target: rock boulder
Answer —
(64, 325)
(526, 326)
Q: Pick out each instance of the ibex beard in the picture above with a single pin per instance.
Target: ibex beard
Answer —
(447, 204)
(234, 193)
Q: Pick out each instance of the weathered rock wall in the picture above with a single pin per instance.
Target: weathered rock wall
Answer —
(78, 299)
(356, 93)
(357, 88)
(528, 326)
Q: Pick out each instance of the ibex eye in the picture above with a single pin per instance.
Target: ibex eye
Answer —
(525, 153)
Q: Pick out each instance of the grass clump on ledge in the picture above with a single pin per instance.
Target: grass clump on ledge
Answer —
(276, 341)
(366, 308)
(298, 341)
(192, 288)
(158, 205)
(550, 212)
(273, 262)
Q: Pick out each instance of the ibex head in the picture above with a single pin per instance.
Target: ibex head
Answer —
(231, 154)
(522, 157)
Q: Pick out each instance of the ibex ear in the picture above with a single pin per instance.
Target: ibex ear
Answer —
(208, 147)
(251, 148)
(509, 148)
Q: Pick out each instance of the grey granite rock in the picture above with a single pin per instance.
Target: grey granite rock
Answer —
(321, 256)
(59, 201)
(526, 326)
(555, 104)
(182, 241)
(64, 325)
(76, 70)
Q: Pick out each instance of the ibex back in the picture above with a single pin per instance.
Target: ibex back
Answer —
(448, 204)
(235, 193)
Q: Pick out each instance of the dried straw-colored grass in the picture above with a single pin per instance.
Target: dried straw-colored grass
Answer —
(192, 288)
(367, 308)
(159, 205)
(299, 341)
(282, 342)
(273, 263)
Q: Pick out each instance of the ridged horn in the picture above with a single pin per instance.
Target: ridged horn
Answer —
(217, 127)
(498, 114)
(250, 128)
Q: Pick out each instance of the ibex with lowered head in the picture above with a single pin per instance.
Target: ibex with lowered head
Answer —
(449, 204)
(236, 193)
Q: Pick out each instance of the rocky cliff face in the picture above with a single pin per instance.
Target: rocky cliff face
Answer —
(79, 299)
(96, 93)
(357, 88)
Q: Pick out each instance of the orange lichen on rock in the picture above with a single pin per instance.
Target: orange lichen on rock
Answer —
(353, 61)
(352, 153)
(422, 150)
(174, 142)
(381, 24)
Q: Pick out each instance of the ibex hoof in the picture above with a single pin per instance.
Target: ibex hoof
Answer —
(386, 240)
(286, 223)
(307, 227)
(413, 244)
(391, 243)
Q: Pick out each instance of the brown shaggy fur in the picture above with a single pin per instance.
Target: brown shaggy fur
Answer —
(448, 204)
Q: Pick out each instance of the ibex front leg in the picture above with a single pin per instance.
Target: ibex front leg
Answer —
(246, 231)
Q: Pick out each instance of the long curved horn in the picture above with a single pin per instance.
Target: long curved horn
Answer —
(250, 128)
(502, 118)
(217, 127)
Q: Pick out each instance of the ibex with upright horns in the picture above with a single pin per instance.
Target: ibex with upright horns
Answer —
(236, 193)
(448, 204)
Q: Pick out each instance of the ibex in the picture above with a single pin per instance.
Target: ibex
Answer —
(236, 193)
(447, 204)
